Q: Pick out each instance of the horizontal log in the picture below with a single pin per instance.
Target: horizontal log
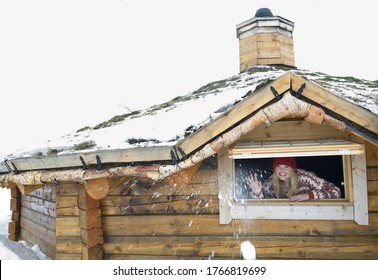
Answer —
(267, 247)
(39, 205)
(209, 225)
(39, 218)
(188, 246)
(68, 245)
(68, 211)
(316, 248)
(67, 226)
(42, 232)
(66, 201)
(149, 257)
(67, 206)
(373, 187)
(68, 189)
(48, 249)
(373, 202)
(161, 204)
(372, 173)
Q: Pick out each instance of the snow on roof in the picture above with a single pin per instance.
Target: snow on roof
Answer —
(167, 123)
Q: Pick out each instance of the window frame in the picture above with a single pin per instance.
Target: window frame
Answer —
(352, 207)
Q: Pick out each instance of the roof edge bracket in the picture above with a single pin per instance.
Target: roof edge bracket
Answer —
(174, 157)
(98, 163)
(7, 166)
(85, 166)
(16, 171)
(184, 156)
(275, 93)
(298, 94)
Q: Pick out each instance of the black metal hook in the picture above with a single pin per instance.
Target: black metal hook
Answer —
(276, 94)
(85, 166)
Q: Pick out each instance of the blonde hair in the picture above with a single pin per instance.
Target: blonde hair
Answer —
(279, 188)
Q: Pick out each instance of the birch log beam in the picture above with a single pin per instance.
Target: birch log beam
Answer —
(287, 107)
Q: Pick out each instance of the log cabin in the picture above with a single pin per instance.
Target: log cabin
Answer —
(172, 190)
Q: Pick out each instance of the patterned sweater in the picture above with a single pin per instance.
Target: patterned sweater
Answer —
(308, 182)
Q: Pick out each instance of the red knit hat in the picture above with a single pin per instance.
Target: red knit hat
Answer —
(289, 161)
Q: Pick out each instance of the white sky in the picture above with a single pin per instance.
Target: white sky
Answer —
(66, 64)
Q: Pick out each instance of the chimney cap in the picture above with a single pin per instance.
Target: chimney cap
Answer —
(263, 12)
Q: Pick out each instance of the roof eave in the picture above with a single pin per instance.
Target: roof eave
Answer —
(90, 158)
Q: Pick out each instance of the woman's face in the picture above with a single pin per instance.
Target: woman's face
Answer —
(283, 172)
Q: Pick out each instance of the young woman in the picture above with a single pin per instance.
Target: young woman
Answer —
(289, 182)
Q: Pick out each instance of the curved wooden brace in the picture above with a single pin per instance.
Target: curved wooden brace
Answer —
(26, 189)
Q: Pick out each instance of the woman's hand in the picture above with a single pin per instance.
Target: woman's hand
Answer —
(300, 197)
(254, 183)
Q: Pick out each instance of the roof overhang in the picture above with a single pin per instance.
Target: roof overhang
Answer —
(92, 158)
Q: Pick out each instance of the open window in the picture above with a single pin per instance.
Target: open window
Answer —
(337, 161)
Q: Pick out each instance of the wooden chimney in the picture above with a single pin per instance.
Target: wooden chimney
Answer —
(265, 40)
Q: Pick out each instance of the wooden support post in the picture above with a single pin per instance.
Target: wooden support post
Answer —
(14, 227)
(91, 232)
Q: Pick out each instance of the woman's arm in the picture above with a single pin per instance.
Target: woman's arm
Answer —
(317, 188)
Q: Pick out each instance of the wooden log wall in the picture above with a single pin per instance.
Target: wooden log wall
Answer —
(160, 221)
(177, 219)
(38, 214)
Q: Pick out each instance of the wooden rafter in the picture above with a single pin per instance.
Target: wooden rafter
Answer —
(336, 103)
(238, 112)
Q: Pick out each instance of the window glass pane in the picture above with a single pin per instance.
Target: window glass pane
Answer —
(329, 168)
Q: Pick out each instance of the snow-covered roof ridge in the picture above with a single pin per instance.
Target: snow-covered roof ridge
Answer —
(167, 123)
(359, 91)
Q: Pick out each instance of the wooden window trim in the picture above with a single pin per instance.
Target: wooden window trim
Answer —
(353, 207)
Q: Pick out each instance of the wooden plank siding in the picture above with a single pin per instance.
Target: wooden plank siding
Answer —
(38, 222)
(177, 230)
